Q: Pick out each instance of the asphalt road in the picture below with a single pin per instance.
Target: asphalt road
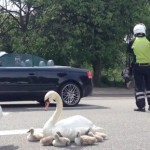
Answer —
(110, 108)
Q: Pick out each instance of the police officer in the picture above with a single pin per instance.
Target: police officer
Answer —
(139, 48)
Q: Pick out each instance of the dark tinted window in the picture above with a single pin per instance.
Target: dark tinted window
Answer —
(21, 60)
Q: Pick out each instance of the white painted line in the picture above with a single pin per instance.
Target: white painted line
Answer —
(20, 131)
(5, 113)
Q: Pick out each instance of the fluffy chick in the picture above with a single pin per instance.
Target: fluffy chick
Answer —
(60, 141)
(97, 133)
(47, 141)
(84, 139)
(34, 136)
(103, 135)
(99, 138)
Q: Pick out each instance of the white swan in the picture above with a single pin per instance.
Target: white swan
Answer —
(69, 126)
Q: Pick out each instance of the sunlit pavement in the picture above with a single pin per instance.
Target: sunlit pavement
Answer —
(110, 108)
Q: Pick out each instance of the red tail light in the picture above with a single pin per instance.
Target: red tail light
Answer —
(89, 74)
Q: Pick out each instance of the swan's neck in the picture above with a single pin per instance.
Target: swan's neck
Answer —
(54, 118)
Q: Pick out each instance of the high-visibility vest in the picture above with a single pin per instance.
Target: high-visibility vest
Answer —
(141, 49)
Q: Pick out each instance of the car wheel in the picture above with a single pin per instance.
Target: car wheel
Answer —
(70, 94)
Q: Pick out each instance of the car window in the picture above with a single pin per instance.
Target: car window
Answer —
(23, 60)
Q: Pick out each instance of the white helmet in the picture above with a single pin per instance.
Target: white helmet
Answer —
(139, 28)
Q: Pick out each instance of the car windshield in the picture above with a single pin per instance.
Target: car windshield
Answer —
(23, 60)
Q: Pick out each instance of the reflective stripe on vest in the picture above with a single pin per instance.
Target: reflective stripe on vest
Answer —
(141, 49)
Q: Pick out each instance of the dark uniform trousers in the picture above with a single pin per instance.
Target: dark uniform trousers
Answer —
(142, 84)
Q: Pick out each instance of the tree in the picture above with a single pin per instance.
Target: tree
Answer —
(20, 16)
(73, 32)
(97, 30)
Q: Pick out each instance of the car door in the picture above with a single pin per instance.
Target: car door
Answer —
(48, 78)
(16, 82)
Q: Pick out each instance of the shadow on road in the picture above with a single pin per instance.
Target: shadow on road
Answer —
(38, 107)
(112, 95)
(112, 92)
(9, 147)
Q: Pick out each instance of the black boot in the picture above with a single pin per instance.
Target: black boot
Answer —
(140, 109)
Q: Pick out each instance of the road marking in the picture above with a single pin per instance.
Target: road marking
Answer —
(5, 113)
(20, 131)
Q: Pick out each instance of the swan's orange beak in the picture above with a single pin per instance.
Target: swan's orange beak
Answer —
(46, 104)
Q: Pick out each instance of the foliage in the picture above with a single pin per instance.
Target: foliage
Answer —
(78, 33)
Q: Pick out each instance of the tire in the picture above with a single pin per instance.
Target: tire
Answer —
(70, 94)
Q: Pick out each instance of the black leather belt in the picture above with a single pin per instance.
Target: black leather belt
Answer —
(143, 64)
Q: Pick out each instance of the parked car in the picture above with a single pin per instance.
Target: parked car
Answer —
(29, 77)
